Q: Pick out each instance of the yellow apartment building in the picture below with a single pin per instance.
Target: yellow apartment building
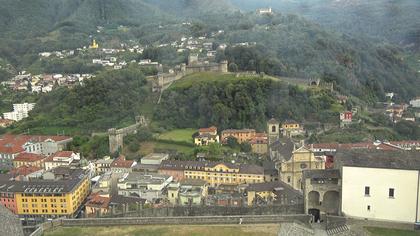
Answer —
(241, 135)
(52, 198)
(226, 173)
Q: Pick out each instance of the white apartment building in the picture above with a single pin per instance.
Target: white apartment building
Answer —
(415, 102)
(381, 186)
(20, 111)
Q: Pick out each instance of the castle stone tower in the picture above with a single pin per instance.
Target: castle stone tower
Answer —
(192, 59)
(223, 66)
(273, 130)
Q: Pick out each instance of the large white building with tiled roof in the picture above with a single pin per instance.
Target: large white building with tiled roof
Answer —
(379, 185)
(13, 145)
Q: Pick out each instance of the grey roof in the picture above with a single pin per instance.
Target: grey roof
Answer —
(321, 174)
(140, 178)
(140, 166)
(155, 156)
(119, 199)
(267, 186)
(5, 177)
(284, 147)
(47, 186)
(408, 160)
(251, 169)
(273, 121)
(270, 168)
(193, 182)
(275, 186)
(200, 165)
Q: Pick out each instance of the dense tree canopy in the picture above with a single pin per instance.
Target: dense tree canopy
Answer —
(103, 102)
(241, 103)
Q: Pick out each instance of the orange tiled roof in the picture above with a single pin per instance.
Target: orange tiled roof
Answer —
(208, 130)
(95, 200)
(59, 154)
(24, 170)
(13, 144)
(121, 162)
(28, 157)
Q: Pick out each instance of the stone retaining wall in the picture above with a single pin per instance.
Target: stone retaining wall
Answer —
(196, 220)
(210, 211)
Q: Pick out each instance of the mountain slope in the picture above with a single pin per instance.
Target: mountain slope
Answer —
(396, 21)
(294, 47)
(27, 18)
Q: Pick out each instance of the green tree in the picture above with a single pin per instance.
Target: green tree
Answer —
(232, 142)
(215, 150)
(246, 147)
(233, 67)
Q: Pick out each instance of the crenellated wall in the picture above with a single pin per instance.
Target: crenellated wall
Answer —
(116, 136)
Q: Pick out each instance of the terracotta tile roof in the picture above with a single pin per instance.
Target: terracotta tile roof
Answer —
(66, 154)
(6, 121)
(208, 130)
(121, 162)
(24, 170)
(13, 144)
(29, 157)
(95, 200)
(63, 154)
(259, 138)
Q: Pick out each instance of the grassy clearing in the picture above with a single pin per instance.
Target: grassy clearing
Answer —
(374, 231)
(183, 135)
(188, 80)
(151, 146)
(178, 230)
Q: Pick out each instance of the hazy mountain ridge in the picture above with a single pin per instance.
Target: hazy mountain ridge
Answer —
(396, 21)
(26, 18)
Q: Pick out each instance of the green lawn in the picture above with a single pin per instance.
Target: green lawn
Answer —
(181, 135)
(188, 80)
(178, 230)
(150, 146)
(374, 231)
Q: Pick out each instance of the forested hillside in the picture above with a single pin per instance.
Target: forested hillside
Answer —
(201, 100)
(111, 99)
(396, 21)
(291, 46)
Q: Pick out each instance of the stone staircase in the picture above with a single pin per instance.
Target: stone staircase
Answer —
(337, 230)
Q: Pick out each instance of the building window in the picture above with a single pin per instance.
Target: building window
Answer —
(367, 191)
(368, 207)
(391, 193)
(273, 128)
(288, 179)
